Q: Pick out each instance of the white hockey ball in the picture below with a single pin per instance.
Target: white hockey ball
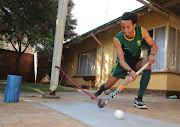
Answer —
(119, 114)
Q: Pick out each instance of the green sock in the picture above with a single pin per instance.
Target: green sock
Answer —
(101, 89)
(144, 82)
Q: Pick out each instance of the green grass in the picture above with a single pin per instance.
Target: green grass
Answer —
(37, 87)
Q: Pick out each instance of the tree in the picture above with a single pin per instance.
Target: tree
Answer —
(32, 22)
(69, 34)
(1, 44)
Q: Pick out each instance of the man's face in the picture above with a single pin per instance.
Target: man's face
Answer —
(128, 28)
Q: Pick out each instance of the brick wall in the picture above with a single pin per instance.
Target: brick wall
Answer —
(7, 60)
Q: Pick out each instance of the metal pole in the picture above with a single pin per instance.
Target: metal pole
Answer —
(58, 43)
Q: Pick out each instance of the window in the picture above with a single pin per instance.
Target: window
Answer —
(86, 63)
(158, 35)
(178, 52)
(173, 49)
(159, 38)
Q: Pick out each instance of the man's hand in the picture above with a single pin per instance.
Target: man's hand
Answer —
(151, 59)
(133, 75)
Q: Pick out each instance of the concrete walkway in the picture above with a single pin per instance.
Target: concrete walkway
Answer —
(104, 117)
(29, 113)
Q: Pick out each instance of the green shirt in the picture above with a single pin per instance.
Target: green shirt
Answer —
(131, 47)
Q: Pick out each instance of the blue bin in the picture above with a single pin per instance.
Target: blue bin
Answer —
(13, 86)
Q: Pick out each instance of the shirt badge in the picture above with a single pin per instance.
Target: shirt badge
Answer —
(139, 42)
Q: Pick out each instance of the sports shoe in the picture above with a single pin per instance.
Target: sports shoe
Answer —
(95, 94)
(139, 104)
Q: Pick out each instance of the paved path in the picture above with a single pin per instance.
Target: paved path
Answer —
(29, 113)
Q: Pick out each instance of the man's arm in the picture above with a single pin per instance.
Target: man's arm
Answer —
(152, 44)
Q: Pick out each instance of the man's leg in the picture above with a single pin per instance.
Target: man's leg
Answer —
(110, 82)
(116, 73)
(143, 84)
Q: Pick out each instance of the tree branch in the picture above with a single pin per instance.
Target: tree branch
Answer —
(19, 45)
(25, 48)
(13, 46)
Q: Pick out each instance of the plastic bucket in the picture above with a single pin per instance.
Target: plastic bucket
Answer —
(13, 86)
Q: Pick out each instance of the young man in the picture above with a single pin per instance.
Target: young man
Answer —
(128, 48)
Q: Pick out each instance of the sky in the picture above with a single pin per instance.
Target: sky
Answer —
(93, 13)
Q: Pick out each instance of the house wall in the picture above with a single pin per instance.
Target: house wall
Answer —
(152, 19)
(106, 38)
(173, 82)
(158, 81)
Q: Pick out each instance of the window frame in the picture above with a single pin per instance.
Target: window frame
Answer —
(77, 72)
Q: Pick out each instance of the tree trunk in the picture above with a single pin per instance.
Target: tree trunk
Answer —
(15, 70)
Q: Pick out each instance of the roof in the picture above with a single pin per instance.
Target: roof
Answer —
(167, 6)
(173, 5)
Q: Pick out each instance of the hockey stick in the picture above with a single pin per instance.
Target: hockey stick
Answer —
(101, 103)
(92, 96)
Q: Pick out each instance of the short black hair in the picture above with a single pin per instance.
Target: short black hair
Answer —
(130, 16)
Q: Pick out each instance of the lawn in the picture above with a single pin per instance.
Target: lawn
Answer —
(37, 87)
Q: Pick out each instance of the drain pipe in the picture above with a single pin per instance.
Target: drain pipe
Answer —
(101, 63)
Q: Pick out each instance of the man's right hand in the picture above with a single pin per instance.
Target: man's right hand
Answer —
(133, 75)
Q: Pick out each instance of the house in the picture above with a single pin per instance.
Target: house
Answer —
(89, 61)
